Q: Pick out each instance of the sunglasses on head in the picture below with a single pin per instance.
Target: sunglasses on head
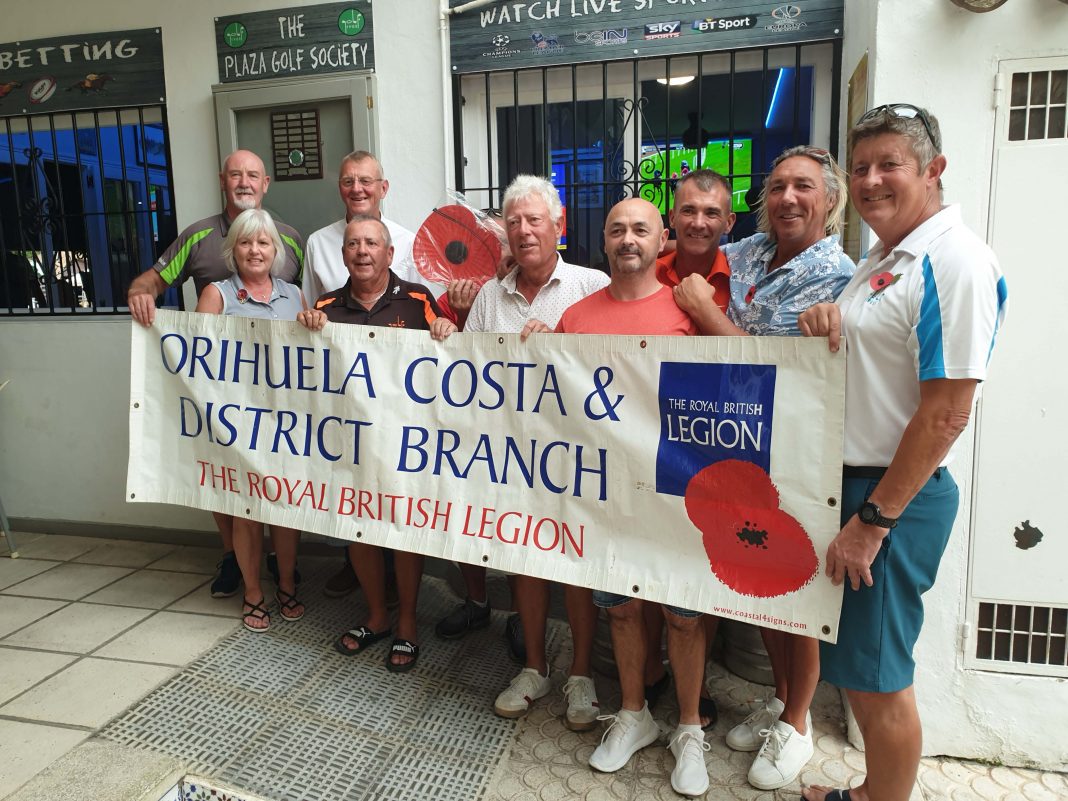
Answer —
(905, 111)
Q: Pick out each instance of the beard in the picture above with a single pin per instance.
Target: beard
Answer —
(245, 202)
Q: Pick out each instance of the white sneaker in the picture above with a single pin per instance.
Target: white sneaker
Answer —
(627, 733)
(582, 706)
(784, 754)
(517, 697)
(746, 736)
(690, 776)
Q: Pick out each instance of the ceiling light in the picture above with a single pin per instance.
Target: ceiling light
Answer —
(678, 80)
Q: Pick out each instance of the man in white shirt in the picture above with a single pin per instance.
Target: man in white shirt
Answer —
(362, 189)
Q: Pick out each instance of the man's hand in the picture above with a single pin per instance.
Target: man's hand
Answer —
(142, 308)
(442, 327)
(822, 320)
(533, 327)
(694, 294)
(852, 552)
(312, 319)
(461, 294)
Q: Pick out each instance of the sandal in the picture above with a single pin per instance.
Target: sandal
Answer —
(290, 603)
(706, 708)
(364, 638)
(256, 612)
(402, 648)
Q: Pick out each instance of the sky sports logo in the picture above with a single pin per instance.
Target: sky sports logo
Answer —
(711, 25)
(663, 30)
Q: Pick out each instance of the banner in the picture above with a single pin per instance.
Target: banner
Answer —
(511, 35)
(702, 472)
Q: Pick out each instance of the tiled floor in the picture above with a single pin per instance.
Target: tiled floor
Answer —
(87, 628)
(90, 627)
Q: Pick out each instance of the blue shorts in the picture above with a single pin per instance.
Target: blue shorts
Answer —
(607, 600)
(880, 624)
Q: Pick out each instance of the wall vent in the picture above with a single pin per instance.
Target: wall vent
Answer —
(1017, 635)
(1037, 104)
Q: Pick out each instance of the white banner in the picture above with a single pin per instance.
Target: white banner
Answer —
(701, 472)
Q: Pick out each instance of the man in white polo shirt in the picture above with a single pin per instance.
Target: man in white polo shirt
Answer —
(535, 293)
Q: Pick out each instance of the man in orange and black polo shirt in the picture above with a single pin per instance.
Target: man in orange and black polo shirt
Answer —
(374, 295)
(701, 216)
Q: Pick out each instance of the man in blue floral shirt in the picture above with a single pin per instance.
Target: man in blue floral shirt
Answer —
(795, 261)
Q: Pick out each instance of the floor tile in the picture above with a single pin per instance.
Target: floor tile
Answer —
(149, 589)
(12, 571)
(17, 612)
(68, 581)
(29, 748)
(88, 693)
(123, 553)
(202, 603)
(60, 547)
(170, 638)
(23, 669)
(77, 628)
(189, 559)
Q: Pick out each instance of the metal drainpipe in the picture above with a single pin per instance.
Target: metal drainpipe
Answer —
(446, 93)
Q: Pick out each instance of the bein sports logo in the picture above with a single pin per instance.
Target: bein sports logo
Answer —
(609, 36)
(663, 30)
(786, 18)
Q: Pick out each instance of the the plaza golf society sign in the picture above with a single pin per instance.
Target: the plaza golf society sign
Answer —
(306, 40)
(702, 472)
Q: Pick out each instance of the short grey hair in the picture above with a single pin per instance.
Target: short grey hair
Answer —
(247, 224)
(835, 184)
(925, 147)
(524, 186)
(357, 156)
(386, 238)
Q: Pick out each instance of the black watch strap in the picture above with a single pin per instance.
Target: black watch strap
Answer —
(872, 515)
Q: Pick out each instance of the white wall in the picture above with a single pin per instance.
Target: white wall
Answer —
(933, 54)
(63, 418)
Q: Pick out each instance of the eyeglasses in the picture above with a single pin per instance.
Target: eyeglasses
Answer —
(905, 111)
(365, 182)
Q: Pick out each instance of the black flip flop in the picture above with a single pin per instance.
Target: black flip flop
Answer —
(838, 795)
(364, 636)
(256, 612)
(403, 648)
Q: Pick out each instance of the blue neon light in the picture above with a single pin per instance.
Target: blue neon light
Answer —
(774, 97)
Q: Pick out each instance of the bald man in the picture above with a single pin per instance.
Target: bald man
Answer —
(197, 252)
(635, 302)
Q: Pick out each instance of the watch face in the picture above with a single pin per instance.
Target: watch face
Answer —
(868, 512)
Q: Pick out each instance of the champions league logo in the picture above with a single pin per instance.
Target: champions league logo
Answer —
(500, 49)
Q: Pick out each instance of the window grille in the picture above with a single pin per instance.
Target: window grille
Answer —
(1037, 105)
(1015, 635)
(86, 203)
(603, 131)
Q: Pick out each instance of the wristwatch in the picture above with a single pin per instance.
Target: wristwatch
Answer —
(872, 515)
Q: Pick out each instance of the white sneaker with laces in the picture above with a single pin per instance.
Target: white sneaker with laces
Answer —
(517, 698)
(582, 706)
(784, 754)
(746, 735)
(690, 776)
(628, 733)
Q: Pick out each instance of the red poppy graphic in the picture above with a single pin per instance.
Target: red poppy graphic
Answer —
(242, 295)
(881, 281)
(753, 546)
(750, 294)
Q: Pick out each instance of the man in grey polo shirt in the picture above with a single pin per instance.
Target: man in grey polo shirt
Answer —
(534, 294)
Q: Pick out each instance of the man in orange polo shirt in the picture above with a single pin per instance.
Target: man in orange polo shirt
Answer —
(701, 216)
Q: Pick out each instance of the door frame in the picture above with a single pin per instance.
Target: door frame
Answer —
(357, 88)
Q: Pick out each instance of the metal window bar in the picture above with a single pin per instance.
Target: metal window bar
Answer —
(49, 219)
(1020, 633)
(615, 183)
(1038, 105)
